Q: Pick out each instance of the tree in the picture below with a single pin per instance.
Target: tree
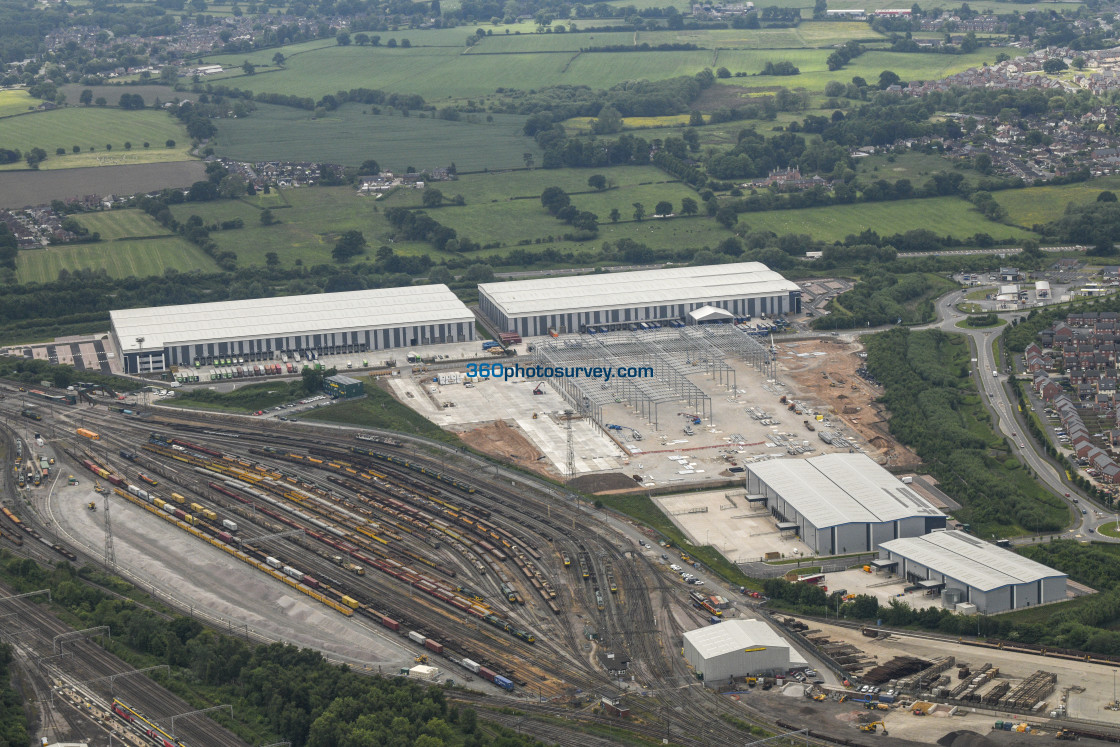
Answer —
(1079, 63)
(391, 44)
(609, 121)
(170, 143)
(101, 101)
(1054, 65)
(405, 44)
(361, 39)
(554, 199)
(723, 73)
(267, 218)
(370, 166)
(60, 151)
(888, 78)
(343, 38)
(639, 211)
(432, 197)
(597, 182)
(35, 156)
(349, 245)
(689, 206)
(1031, 249)
(440, 276)
(278, 59)
(1106, 196)
(272, 259)
(664, 207)
(248, 68)
(479, 274)
(695, 118)
(312, 380)
(614, 215)
(128, 145)
(527, 157)
(86, 97)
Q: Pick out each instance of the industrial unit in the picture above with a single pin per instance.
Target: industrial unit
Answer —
(620, 300)
(342, 387)
(841, 503)
(736, 648)
(969, 571)
(154, 339)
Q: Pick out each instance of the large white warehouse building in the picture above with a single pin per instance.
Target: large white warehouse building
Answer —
(736, 648)
(841, 503)
(616, 300)
(993, 579)
(153, 339)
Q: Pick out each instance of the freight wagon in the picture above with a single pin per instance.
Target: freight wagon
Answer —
(88, 434)
(31, 415)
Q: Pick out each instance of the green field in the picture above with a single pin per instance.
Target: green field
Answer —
(917, 167)
(441, 73)
(478, 188)
(1026, 207)
(121, 259)
(350, 137)
(95, 128)
(942, 215)
(310, 223)
(119, 224)
(16, 101)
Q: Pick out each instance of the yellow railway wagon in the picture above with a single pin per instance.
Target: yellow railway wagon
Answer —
(197, 508)
(88, 434)
(349, 602)
(178, 498)
(209, 514)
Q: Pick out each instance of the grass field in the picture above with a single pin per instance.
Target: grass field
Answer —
(941, 215)
(378, 409)
(479, 188)
(309, 225)
(95, 128)
(112, 93)
(119, 224)
(917, 167)
(16, 101)
(350, 137)
(121, 259)
(1026, 207)
(449, 70)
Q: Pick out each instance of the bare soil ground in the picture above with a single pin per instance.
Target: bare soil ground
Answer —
(832, 380)
(604, 483)
(506, 442)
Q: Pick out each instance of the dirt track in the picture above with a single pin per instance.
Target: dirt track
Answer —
(832, 380)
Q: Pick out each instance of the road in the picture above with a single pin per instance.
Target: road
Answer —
(1003, 406)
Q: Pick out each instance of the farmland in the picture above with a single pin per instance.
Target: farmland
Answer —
(120, 259)
(939, 214)
(92, 129)
(38, 187)
(349, 136)
(1026, 207)
(15, 101)
(451, 70)
(119, 224)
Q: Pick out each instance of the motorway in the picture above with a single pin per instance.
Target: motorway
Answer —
(1004, 407)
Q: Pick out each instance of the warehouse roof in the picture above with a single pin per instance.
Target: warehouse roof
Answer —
(971, 561)
(287, 316)
(835, 489)
(625, 289)
(734, 635)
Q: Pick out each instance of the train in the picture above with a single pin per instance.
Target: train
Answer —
(60, 549)
(84, 433)
(31, 414)
(149, 480)
(442, 477)
(69, 398)
(144, 726)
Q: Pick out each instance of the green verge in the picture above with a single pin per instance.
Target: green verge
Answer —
(936, 410)
(244, 399)
(378, 409)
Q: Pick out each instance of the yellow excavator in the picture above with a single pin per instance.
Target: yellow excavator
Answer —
(92, 506)
(422, 659)
(873, 727)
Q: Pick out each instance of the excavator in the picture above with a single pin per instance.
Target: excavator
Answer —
(1065, 734)
(873, 727)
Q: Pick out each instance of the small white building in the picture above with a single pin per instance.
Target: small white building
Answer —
(1042, 289)
(736, 648)
(424, 672)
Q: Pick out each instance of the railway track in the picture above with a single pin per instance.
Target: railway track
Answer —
(640, 620)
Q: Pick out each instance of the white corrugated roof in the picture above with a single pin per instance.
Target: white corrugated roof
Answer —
(287, 316)
(627, 289)
(732, 635)
(971, 561)
(835, 489)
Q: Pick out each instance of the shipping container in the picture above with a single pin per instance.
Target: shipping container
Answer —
(350, 602)
(433, 645)
(230, 525)
(470, 665)
(416, 637)
(390, 623)
(273, 562)
(502, 682)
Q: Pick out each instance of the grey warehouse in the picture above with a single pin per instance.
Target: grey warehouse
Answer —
(154, 339)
